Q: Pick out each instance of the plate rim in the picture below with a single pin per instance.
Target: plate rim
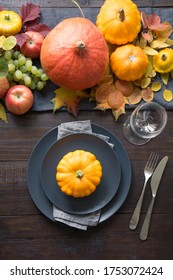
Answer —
(87, 200)
(109, 209)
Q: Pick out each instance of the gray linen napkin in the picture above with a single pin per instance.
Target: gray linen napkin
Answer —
(77, 221)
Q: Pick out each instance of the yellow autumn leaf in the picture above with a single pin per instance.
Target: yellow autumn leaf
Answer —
(102, 106)
(149, 69)
(145, 82)
(167, 95)
(165, 78)
(3, 115)
(169, 42)
(2, 39)
(159, 44)
(150, 51)
(156, 86)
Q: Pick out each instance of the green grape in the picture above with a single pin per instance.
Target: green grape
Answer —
(27, 80)
(16, 62)
(32, 85)
(18, 74)
(28, 65)
(22, 59)
(39, 73)
(7, 55)
(15, 78)
(23, 68)
(16, 54)
(40, 85)
(34, 70)
(11, 68)
(9, 77)
(44, 77)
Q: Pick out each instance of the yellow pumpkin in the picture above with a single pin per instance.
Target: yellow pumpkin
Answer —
(119, 21)
(129, 62)
(10, 23)
(78, 173)
(163, 61)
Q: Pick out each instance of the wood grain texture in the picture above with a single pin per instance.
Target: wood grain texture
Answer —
(25, 233)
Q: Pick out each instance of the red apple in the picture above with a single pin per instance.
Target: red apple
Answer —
(4, 86)
(31, 48)
(19, 99)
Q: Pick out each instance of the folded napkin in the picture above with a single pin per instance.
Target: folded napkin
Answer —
(77, 221)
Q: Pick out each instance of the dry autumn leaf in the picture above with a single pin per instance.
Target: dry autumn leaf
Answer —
(135, 97)
(147, 94)
(103, 91)
(120, 111)
(150, 51)
(165, 78)
(125, 87)
(69, 99)
(102, 106)
(168, 95)
(115, 99)
(156, 86)
(3, 115)
(145, 82)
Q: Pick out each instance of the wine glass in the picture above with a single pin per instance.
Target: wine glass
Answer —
(146, 121)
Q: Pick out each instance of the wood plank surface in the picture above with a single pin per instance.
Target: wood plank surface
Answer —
(25, 233)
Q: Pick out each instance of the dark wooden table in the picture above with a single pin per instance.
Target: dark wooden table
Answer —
(25, 233)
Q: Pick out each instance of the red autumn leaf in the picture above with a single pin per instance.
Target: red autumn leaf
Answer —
(154, 23)
(21, 39)
(40, 27)
(30, 12)
(146, 36)
(144, 19)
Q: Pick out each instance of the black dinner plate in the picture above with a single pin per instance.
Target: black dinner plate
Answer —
(34, 166)
(105, 191)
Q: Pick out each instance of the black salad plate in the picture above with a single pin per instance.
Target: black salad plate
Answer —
(35, 164)
(105, 191)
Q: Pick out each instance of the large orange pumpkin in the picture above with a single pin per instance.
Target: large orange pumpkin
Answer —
(75, 54)
(119, 21)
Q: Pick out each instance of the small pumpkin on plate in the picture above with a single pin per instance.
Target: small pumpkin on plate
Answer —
(119, 21)
(129, 62)
(78, 173)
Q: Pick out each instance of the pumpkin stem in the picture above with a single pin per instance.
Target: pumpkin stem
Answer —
(73, 1)
(121, 15)
(7, 17)
(164, 57)
(79, 174)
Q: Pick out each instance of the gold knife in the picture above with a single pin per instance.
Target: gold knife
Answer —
(155, 181)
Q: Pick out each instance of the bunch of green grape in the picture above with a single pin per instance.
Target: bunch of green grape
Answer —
(21, 70)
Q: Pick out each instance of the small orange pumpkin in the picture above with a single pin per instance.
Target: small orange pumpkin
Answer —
(78, 173)
(75, 54)
(129, 62)
(119, 21)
